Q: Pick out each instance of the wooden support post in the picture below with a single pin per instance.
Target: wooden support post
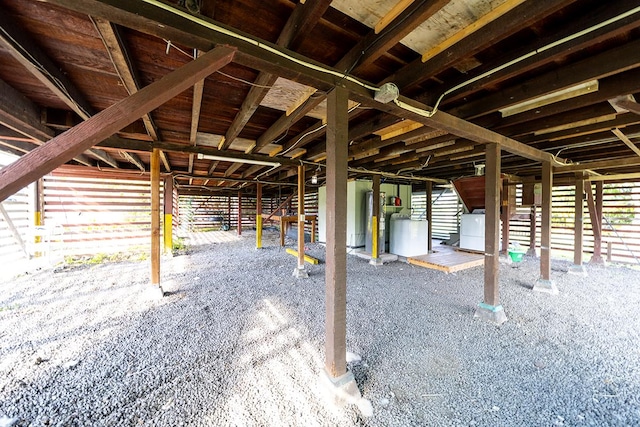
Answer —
(595, 211)
(578, 221)
(532, 232)
(505, 215)
(155, 217)
(429, 215)
(375, 225)
(300, 271)
(490, 309)
(38, 211)
(336, 255)
(259, 216)
(228, 212)
(544, 283)
(239, 212)
(168, 215)
(71, 143)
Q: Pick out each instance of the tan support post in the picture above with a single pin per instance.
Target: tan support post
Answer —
(168, 215)
(155, 217)
(259, 216)
(544, 283)
(300, 271)
(578, 230)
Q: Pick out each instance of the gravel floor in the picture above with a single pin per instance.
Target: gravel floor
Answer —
(239, 341)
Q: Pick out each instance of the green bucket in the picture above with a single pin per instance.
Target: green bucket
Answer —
(516, 256)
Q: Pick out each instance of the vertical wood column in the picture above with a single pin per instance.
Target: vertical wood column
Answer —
(168, 215)
(155, 217)
(578, 244)
(595, 211)
(239, 212)
(492, 224)
(505, 215)
(532, 232)
(259, 216)
(544, 283)
(429, 214)
(38, 212)
(301, 219)
(490, 309)
(336, 264)
(229, 212)
(375, 224)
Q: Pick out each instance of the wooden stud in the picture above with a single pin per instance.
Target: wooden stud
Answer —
(155, 217)
(336, 248)
(301, 219)
(64, 147)
(624, 138)
(578, 246)
(392, 14)
(492, 224)
(259, 215)
(545, 232)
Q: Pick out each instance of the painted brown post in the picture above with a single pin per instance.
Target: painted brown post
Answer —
(229, 212)
(490, 309)
(578, 246)
(429, 214)
(532, 232)
(544, 283)
(259, 216)
(505, 215)
(239, 212)
(492, 224)
(301, 219)
(597, 236)
(336, 264)
(168, 215)
(155, 217)
(375, 217)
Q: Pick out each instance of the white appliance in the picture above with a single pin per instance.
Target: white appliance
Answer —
(408, 238)
(472, 231)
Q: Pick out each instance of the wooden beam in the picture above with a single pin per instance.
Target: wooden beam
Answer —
(250, 54)
(231, 169)
(88, 133)
(472, 28)
(511, 22)
(598, 165)
(196, 106)
(336, 247)
(300, 22)
(594, 67)
(492, 225)
(29, 55)
(626, 103)
(624, 138)
(396, 10)
(134, 159)
(155, 217)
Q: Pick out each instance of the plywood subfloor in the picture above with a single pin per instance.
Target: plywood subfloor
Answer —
(448, 261)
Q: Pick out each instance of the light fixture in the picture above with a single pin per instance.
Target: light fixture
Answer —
(550, 98)
(237, 160)
(314, 179)
(388, 92)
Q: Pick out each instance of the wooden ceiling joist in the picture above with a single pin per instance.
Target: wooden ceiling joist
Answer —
(90, 132)
(302, 20)
(29, 55)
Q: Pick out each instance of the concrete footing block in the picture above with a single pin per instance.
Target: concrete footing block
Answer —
(343, 391)
(154, 291)
(546, 286)
(300, 273)
(376, 261)
(490, 313)
(578, 270)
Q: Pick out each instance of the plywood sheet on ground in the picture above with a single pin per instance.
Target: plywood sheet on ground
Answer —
(448, 261)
